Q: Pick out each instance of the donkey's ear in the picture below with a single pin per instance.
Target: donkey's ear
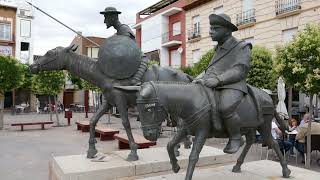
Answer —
(128, 88)
(70, 47)
(75, 48)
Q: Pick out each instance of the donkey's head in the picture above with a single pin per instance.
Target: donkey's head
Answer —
(54, 59)
(151, 111)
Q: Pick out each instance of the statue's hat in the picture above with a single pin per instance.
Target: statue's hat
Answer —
(110, 10)
(222, 20)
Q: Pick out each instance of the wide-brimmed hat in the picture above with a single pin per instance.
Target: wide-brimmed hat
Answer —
(222, 20)
(110, 10)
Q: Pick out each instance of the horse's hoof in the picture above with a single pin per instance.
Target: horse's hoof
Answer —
(236, 169)
(176, 168)
(91, 153)
(132, 157)
(286, 173)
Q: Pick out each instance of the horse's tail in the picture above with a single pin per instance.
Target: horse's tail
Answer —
(283, 125)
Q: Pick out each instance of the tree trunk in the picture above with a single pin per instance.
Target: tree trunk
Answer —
(316, 106)
(309, 132)
(1, 110)
(56, 110)
(50, 110)
(290, 102)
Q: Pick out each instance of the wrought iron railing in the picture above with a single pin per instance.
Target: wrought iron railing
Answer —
(194, 33)
(246, 17)
(284, 6)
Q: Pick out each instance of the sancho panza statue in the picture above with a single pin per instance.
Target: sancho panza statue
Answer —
(137, 65)
(226, 74)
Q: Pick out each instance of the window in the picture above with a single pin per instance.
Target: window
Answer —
(249, 40)
(24, 52)
(196, 55)
(5, 31)
(92, 52)
(288, 34)
(175, 59)
(196, 25)
(218, 10)
(176, 28)
(25, 28)
(24, 12)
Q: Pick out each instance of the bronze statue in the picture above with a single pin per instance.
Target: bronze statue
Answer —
(111, 19)
(226, 75)
(88, 69)
(191, 103)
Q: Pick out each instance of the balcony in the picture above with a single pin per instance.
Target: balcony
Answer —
(286, 8)
(246, 18)
(168, 41)
(194, 35)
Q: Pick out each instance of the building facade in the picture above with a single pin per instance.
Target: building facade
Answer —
(262, 22)
(160, 32)
(16, 39)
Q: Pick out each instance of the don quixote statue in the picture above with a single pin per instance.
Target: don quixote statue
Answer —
(120, 63)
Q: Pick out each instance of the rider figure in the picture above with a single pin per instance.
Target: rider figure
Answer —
(111, 19)
(227, 73)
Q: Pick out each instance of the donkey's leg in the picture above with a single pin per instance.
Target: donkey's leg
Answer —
(171, 149)
(92, 151)
(123, 110)
(250, 139)
(198, 143)
(265, 131)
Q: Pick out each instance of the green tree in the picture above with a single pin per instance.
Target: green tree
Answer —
(200, 66)
(27, 80)
(152, 62)
(299, 63)
(261, 72)
(11, 77)
(49, 83)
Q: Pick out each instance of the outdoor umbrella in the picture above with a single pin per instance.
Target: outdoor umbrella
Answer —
(281, 107)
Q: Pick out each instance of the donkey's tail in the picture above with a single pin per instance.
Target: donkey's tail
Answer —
(283, 125)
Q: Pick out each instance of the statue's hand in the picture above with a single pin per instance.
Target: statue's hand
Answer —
(211, 82)
(198, 81)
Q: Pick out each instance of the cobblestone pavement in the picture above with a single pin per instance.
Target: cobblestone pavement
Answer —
(24, 155)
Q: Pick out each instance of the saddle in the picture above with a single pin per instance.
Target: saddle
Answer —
(260, 99)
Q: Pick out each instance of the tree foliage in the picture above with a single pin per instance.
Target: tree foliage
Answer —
(261, 72)
(75, 80)
(200, 66)
(152, 62)
(27, 80)
(48, 82)
(11, 73)
(299, 61)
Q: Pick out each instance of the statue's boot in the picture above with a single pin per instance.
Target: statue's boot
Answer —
(137, 78)
(232, 125)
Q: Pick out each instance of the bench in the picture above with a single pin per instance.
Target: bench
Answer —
(32, 123)
(84, 126)
(105, 133)
(142, 143)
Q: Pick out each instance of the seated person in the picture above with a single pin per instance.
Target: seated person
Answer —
(306, 117)
(302, 132)
(277, 135)
(293, 124)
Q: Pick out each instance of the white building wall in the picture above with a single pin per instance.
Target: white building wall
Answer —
(151, 34)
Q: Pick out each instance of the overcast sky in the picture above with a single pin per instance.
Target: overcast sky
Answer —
(81, 15)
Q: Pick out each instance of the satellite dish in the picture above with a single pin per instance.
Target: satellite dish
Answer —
(180, 50)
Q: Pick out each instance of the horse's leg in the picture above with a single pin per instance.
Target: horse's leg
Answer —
(171, 149)
(92, 151)
(198, 143)
(123, 110)
(250, 139)
(265, 131)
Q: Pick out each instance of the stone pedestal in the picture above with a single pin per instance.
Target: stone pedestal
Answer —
(257, 170)
(152, 160)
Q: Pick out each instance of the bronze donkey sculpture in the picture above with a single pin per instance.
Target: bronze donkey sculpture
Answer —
(190, 102)
(87, 68)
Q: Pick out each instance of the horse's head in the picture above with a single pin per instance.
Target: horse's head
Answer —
(151, 112)
(50, 61)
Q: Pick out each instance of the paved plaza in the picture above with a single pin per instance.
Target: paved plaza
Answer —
(25, 154)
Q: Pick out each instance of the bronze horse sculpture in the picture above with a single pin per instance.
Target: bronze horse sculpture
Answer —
(189, 101)
(87, 68)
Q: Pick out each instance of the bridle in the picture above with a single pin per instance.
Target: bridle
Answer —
(159, 109)
(39, 66)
